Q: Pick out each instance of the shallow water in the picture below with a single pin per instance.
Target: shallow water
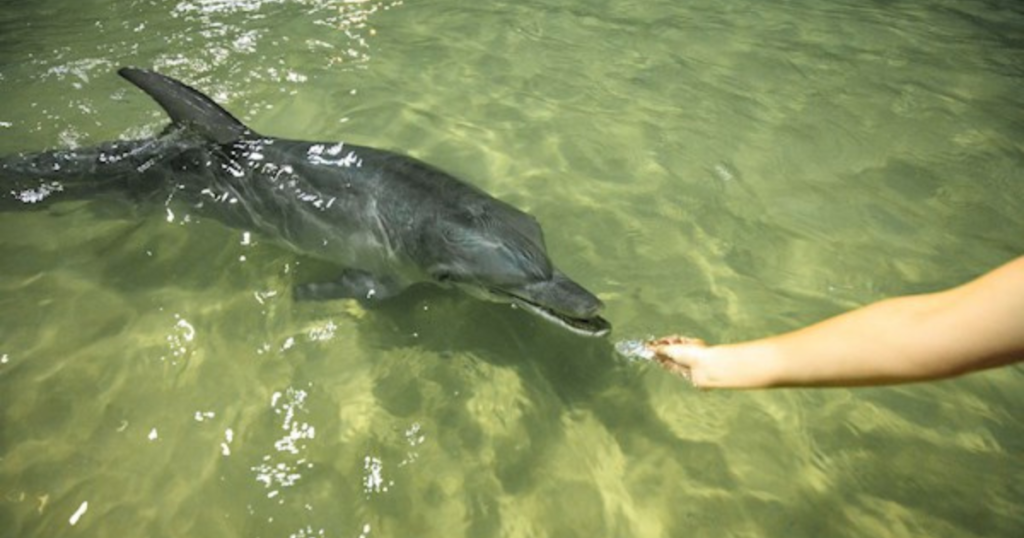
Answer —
(723, 170)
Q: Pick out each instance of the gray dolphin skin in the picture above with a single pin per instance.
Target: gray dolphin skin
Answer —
(387, 220)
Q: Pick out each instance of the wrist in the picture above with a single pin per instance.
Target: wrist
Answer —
(737, 366)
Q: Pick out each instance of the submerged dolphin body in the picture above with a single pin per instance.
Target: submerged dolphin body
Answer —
(388, 220)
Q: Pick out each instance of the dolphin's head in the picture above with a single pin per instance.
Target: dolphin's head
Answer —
(496, 252)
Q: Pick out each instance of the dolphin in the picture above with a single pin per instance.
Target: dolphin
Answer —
(387, 220)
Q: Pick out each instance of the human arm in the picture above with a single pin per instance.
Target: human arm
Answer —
(974, 326)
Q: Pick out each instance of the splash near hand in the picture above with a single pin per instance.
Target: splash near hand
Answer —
(634, 350)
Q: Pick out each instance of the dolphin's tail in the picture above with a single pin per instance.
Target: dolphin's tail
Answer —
(31, 181)
(34, 180)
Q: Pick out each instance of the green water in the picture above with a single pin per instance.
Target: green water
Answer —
(720, 169)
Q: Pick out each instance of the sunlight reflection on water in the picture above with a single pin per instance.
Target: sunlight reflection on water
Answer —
(726, 170)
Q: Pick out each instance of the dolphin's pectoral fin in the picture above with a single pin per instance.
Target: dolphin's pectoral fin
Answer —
(353, 284)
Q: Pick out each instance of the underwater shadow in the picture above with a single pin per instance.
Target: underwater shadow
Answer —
(585, 375)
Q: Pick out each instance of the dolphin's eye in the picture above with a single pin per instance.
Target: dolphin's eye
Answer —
(443, 277)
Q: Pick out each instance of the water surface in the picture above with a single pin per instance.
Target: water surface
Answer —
(721, 169)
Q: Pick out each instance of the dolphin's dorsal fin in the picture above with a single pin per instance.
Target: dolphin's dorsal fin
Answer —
(187, 106)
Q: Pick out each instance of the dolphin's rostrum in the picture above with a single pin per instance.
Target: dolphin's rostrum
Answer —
(388, 220)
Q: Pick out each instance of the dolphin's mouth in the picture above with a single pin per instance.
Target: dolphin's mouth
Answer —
(557, 299)
(593, 327)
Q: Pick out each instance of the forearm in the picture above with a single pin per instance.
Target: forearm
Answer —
(897, 340)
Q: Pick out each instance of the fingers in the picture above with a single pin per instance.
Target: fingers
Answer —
(674, 367)
(678, 354)
(678, 349)
(676, 339)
